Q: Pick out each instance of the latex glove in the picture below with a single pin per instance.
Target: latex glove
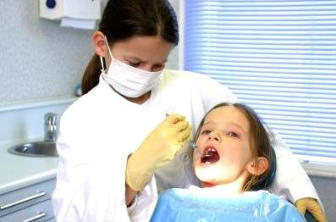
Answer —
(312, 206)
(159, 147)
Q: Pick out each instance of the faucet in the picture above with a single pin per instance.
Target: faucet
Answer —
(50, 127)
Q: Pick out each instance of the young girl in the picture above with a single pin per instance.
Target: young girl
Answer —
(233, 155)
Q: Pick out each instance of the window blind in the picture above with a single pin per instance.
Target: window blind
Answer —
(279, 57)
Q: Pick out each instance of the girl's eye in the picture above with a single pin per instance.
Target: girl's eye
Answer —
(232, 134)
(205, 132)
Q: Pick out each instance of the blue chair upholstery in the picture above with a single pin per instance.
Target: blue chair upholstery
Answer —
(196, 204)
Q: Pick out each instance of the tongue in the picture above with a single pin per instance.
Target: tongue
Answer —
(210, 157)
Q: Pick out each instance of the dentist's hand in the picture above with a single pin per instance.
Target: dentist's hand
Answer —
(159, 147)
(312, 206)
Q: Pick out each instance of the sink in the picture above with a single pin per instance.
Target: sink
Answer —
(35, 149)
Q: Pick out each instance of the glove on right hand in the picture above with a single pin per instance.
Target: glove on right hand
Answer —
(312, 206)
(159, 147)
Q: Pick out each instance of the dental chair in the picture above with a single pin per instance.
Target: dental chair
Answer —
(269, 180)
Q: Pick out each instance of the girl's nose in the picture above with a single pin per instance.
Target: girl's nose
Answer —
(214, 136)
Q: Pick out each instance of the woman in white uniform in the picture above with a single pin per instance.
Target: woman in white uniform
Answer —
(106, 159)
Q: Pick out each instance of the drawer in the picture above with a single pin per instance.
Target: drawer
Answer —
(25, 197)
(37, 213)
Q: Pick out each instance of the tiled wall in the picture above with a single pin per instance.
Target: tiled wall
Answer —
(38, 58)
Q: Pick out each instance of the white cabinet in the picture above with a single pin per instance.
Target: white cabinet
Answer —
(27, 204)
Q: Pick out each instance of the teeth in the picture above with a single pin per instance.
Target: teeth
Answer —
(210, 155)
(210, 150)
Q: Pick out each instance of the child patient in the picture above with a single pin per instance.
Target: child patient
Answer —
(232, 156)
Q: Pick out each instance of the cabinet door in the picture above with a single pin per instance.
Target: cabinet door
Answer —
(22, 198)
(37, 213)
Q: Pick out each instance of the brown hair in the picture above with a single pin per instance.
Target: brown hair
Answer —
(123, 19)
(260, 146)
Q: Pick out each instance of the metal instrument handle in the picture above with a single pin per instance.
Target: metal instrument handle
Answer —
(35, 196)
(39, 216)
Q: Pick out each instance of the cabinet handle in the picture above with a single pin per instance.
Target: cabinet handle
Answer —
(41, 194)
(39, 216)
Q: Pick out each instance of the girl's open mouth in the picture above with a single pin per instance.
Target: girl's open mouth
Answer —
(210, 155)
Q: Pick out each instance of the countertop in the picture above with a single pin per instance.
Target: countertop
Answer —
(20, 171)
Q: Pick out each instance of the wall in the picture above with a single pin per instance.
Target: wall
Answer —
(39, 60)
(26, 122)
(326, 189)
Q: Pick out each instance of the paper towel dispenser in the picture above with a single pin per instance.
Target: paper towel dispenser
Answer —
(79, 9)
(75, 11)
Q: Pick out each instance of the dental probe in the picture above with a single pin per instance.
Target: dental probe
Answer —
(194, 147)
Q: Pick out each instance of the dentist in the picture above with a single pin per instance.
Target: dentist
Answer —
(116, 136)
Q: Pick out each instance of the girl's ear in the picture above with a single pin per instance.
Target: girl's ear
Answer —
(257, 166)
(98, 41)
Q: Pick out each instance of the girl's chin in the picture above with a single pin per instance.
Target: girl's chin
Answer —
(207, 174)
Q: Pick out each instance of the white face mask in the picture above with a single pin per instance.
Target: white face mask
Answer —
(127, 80)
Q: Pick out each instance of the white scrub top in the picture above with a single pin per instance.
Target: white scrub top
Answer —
(100, 130)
